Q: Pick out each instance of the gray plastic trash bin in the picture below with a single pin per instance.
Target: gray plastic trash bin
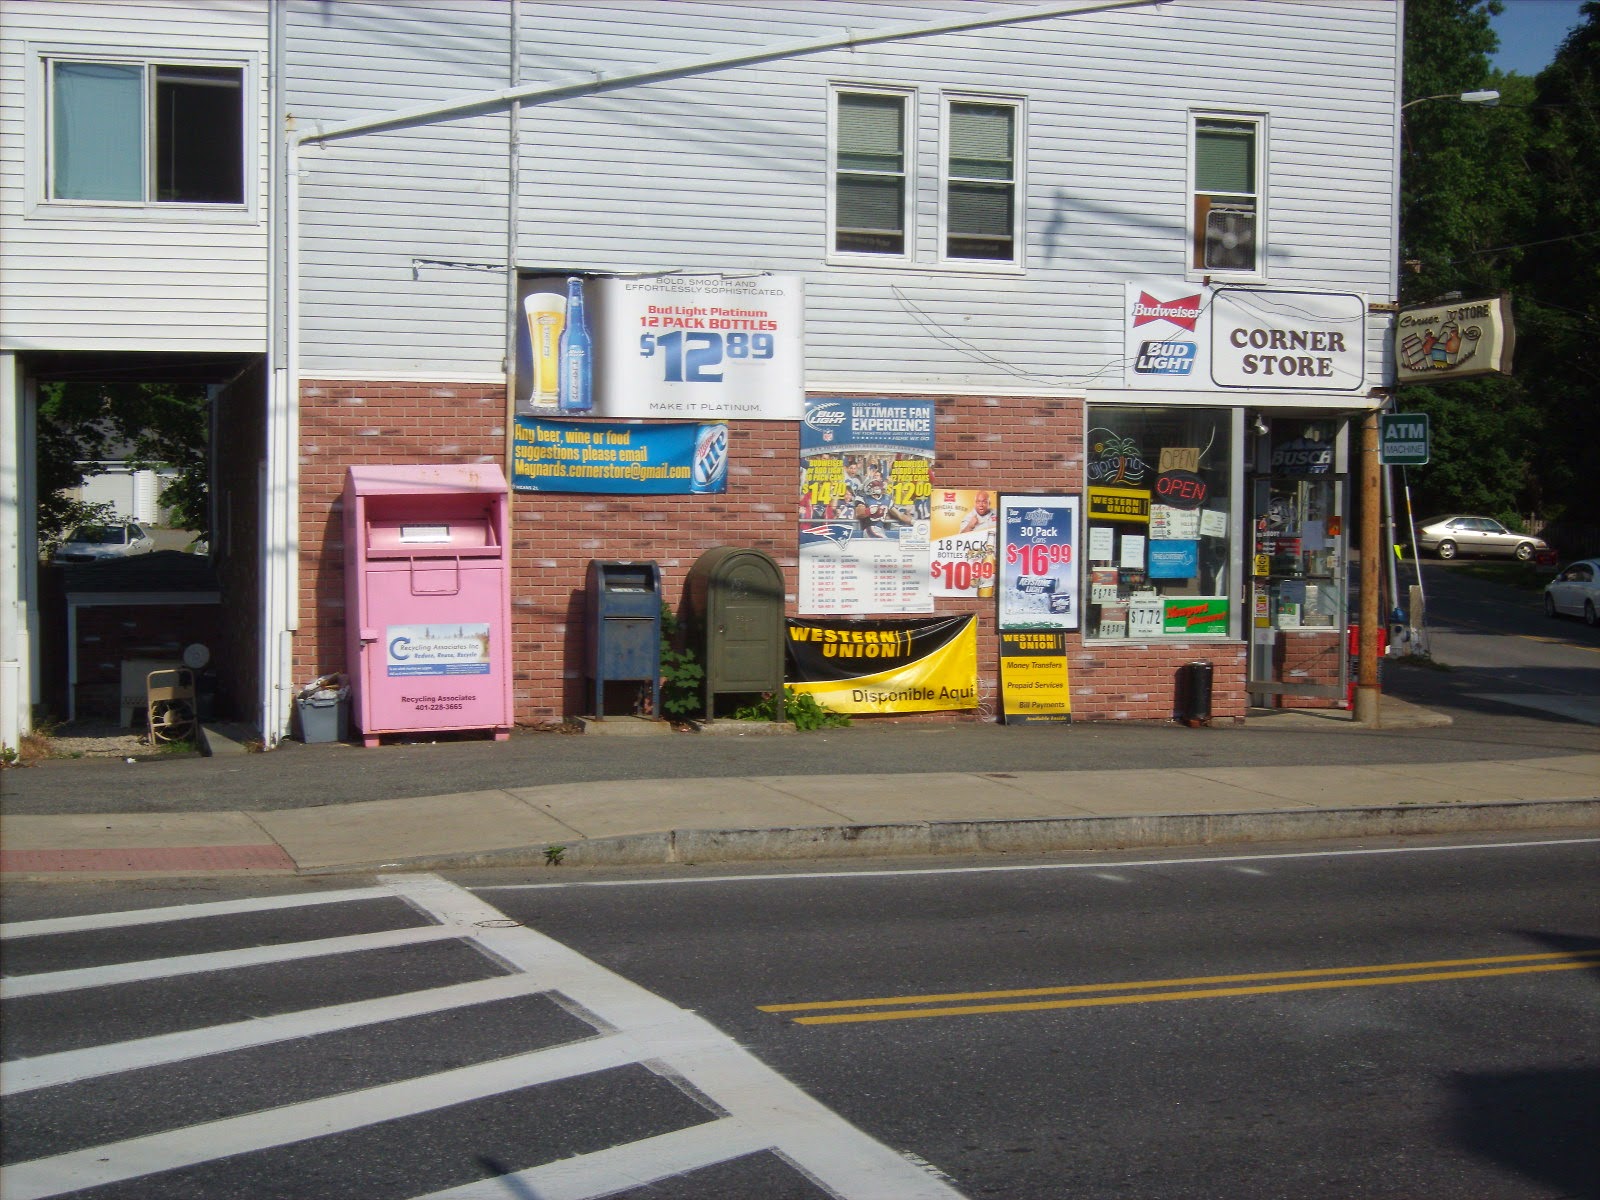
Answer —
(324, 716)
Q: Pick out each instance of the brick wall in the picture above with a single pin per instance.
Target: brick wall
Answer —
(1304, 657)
(1001, 443)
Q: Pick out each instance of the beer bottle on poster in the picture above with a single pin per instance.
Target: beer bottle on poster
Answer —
(577, 367)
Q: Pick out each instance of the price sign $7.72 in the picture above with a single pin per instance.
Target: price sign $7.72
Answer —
(697, 357)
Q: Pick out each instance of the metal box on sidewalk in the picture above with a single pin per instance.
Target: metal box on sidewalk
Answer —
(733, 620)
(624, 628)
(428, 598)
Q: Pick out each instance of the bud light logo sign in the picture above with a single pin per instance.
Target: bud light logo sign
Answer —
(1165, 358)
(825, 420)
(709, 469)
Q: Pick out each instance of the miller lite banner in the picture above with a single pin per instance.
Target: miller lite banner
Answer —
(1461, 340)
(1182, 336)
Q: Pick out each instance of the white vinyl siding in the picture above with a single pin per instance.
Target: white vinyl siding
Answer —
(115, 275)
(732, 169)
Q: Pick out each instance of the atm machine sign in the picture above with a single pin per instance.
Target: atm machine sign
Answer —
(1403, 439)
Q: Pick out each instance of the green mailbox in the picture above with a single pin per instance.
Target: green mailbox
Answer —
(733, 619)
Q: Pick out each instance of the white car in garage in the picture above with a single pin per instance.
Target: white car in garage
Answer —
(1575, 591)
(95, 543)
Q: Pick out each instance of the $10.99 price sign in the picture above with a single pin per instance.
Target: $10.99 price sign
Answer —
(1038, 586)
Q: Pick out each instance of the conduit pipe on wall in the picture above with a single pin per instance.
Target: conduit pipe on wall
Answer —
(632, 77)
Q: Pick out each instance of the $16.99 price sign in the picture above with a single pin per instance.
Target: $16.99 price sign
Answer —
(1038, 563)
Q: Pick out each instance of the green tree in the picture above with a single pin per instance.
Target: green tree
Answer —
(1465, 196)
(151, 424)
(1559, 279)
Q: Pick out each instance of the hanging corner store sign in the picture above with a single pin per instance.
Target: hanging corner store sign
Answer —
(1462, 340)
(1403, 439)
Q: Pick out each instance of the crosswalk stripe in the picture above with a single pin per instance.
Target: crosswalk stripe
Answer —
(73, 1066)
(822, 1144)
(47, 983)
(184, 912)
(134, 1158)
(633, 1165)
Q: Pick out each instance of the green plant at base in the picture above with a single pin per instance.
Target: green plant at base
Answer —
(553, 855)
(802, 708)
(682, 676)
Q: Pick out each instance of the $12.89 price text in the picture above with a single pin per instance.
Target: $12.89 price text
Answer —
(696, 357)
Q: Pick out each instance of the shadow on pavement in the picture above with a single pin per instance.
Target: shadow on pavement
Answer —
(1542, 1124)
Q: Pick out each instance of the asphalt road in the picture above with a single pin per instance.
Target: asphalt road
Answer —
(1501, 655)
(1373, 1019)
(1444, 1086)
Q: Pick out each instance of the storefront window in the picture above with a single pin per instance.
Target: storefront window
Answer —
(1159, 543)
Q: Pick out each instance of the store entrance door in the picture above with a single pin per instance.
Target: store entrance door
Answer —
(1297, 591)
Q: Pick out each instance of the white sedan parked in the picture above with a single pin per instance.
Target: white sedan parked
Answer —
(94, 543)
(1575, 592)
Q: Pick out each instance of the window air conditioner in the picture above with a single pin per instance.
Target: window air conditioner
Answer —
(1230, 238)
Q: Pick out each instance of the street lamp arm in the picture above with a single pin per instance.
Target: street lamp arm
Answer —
(1488, 97)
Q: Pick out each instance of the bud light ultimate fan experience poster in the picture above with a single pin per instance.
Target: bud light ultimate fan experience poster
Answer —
(864, 507)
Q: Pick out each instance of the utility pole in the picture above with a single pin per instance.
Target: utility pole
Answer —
(1366, 711)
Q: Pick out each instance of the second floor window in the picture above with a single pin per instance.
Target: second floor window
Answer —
(870, 177)
(981, 182)
(1227, 196)
(145, 133)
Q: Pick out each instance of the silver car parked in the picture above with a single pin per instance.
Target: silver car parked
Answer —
(1456, 534)
(91, 543)
(1575, 592)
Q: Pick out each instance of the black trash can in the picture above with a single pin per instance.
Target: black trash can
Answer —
(1194, 693)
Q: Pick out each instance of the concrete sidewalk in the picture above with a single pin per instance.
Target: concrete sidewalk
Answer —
(738, 818)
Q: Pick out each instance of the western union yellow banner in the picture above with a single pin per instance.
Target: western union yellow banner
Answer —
(899, 666)
(1033, 677)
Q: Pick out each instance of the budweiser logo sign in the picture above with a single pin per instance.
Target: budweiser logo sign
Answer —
(1183, 312)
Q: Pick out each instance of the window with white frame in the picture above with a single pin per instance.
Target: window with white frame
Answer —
(1227, 194)
(980, 185)
(871, 182)
(144, 132)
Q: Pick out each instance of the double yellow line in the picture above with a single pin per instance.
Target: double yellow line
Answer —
(1201, 987)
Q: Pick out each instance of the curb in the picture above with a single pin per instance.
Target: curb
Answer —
(1040, 835)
